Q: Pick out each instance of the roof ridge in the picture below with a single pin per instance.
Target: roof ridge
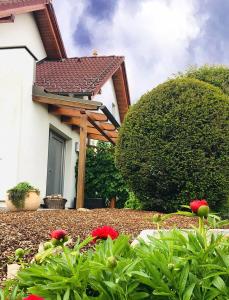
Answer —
(96, 56)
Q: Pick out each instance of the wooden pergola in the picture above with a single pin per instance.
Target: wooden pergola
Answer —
(91, 119)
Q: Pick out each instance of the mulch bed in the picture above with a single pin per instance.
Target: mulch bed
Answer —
(28, 229)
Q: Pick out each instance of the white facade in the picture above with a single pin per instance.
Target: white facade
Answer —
(24, 124)
(22, 32)
(108, 98)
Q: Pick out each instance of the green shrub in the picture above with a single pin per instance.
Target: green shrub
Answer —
(217, 75)
(102, 178)
(133, 202)
(174, 145)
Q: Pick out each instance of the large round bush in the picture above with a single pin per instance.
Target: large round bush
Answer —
(217, 75)
(174, 145)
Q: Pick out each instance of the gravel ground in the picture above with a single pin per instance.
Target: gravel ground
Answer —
(28, 229)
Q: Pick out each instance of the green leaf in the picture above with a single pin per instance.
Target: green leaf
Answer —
(77, 296)
(183, 278)
(67, 294)
(219, 284)
(139, 295)
(188, 292)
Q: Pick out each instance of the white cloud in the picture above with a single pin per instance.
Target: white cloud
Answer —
(153, 35)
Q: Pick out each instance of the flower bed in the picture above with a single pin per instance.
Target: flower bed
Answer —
(168, 267)
(28, 229)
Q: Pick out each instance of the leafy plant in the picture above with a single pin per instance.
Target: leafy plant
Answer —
(174, 265)
(174, 145)
(18, 193)
(103, 179)
(133, 202)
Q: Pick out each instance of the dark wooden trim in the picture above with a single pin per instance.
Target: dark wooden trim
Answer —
(19, 47)
(90, 119)
(21, 9)
(8, 19)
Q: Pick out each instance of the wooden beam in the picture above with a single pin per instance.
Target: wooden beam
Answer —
(112, 134)
(61, 102)
(74, 121)
(82, 161)
(99, 137)
(97, 126)
(75, 113)
(92, 130)
(40, 96)
(107, 126)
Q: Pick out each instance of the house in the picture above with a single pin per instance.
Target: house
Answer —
(51, 105)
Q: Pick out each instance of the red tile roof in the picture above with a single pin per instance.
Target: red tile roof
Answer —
(85, 75)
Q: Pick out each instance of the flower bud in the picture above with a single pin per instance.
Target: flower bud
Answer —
(156, 218)
(111, 262)
(55, 242)
(203, 211)
(38, 257)
(171, 266)
(47, 245)
(19, 253)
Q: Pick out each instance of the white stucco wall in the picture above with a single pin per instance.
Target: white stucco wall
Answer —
(24, 129)
(107, 97)
(22, 32)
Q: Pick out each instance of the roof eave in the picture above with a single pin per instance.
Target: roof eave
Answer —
(56, 28)
(21, 10)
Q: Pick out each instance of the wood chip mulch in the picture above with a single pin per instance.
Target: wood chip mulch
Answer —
(27, 229)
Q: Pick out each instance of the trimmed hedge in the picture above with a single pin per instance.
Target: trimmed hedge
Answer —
(217, 75)
(174, 145)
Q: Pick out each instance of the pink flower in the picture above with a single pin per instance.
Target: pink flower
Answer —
(58, 234)
(33, 297)
(102, 233)
(195, 205)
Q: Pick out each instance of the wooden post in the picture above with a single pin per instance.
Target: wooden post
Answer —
(113, 202)
(82, 161)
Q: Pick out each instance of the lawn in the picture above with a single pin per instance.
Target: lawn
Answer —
(28, 229)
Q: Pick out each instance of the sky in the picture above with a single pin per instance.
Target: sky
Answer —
(158, 38)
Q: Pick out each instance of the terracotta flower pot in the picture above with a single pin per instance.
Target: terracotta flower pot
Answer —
(31, 202)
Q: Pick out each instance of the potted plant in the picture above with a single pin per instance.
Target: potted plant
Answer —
(55, 201)
(23, 197)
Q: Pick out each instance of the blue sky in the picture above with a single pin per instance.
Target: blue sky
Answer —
(157, 37)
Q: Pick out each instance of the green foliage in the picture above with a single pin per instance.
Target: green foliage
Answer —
(217, 75)
(133, 202)
(178, 266)
(174, 145)
(18, 193)
(173, 265)
(102, 179)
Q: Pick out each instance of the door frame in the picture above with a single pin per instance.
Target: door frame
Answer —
(61, 138)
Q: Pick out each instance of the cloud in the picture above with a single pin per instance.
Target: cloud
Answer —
(157, 37)
(212, 43)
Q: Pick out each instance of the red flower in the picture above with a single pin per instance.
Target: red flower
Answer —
(58, 234)
(102, 233)
(33, 297)
(195, 205)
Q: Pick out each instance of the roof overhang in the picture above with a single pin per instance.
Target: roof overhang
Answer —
(101, 125)
(46, 21)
